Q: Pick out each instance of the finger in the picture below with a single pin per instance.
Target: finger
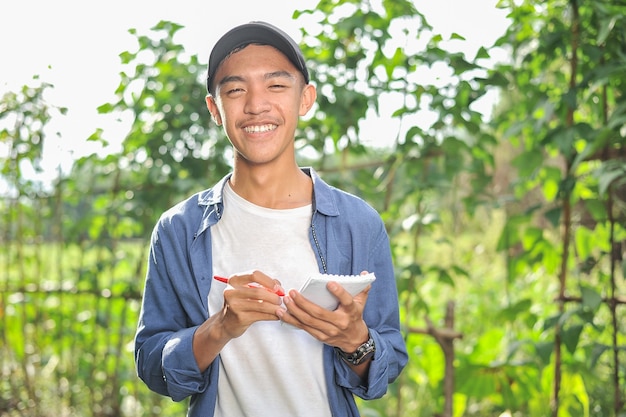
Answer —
(321, 329)
(250, 312)
(253, 293)
(261, 294)
(258, 278)
(363, 295)
(251, 304)
(300, 304)
(307, 313)
(345, 298)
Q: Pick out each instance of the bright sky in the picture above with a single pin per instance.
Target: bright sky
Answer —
(75, 45)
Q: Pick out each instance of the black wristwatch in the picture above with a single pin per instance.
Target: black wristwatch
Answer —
(361, 354)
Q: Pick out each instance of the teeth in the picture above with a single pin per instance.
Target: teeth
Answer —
(259, 129)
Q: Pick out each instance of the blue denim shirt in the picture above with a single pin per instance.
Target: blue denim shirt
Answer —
(347, 235)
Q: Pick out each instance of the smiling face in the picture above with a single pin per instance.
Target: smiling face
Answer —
(259, 98)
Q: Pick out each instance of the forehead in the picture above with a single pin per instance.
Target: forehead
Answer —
(252, 59)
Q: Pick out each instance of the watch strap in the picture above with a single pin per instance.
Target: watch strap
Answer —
(361, 354)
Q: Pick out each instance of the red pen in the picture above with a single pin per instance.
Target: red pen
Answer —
(251, 285)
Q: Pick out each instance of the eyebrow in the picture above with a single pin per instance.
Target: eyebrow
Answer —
(280, 74)
(230, 79)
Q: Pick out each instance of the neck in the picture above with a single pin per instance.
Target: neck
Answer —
(277, 189)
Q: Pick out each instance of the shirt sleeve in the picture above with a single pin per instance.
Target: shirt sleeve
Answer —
(381, 315)
(163, 342)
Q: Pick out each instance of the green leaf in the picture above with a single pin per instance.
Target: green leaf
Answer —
(513, 311)
(544, 351)
(496, 79)
(550, 322)
(456, 36)
(551, 178)
(591, 298)
(606, 26)
(126, 57)
(528, 162)
(510, 235)
(584, 242)
(607, 178)
(554, 216)
(569, 98)
(444, 277)
(482, 54)
(460, 271)
(560, 138)
(570, 336)
(105, 108)
(436, 39)
(596, 353)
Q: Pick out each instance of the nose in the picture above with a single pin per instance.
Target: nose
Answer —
(256, 101)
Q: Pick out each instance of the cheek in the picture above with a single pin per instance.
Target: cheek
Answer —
(220, 108)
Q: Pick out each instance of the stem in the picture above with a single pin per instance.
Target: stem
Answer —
(567, 214)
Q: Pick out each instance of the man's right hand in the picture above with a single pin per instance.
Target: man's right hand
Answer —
(243, 306)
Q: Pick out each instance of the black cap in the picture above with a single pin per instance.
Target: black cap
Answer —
(254, 32)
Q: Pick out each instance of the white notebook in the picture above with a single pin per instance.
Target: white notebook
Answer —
(315, 289)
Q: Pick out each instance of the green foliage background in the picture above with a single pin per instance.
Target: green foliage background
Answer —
(508, 229)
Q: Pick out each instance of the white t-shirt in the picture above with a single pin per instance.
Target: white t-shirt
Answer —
(272, 369)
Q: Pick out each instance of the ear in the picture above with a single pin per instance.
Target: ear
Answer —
(309, 95)
(214, 110)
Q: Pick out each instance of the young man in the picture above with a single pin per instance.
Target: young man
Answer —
(240, 349)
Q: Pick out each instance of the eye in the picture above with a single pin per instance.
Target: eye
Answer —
(234, 91)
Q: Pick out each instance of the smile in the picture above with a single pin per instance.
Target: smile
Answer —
(260, 129)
